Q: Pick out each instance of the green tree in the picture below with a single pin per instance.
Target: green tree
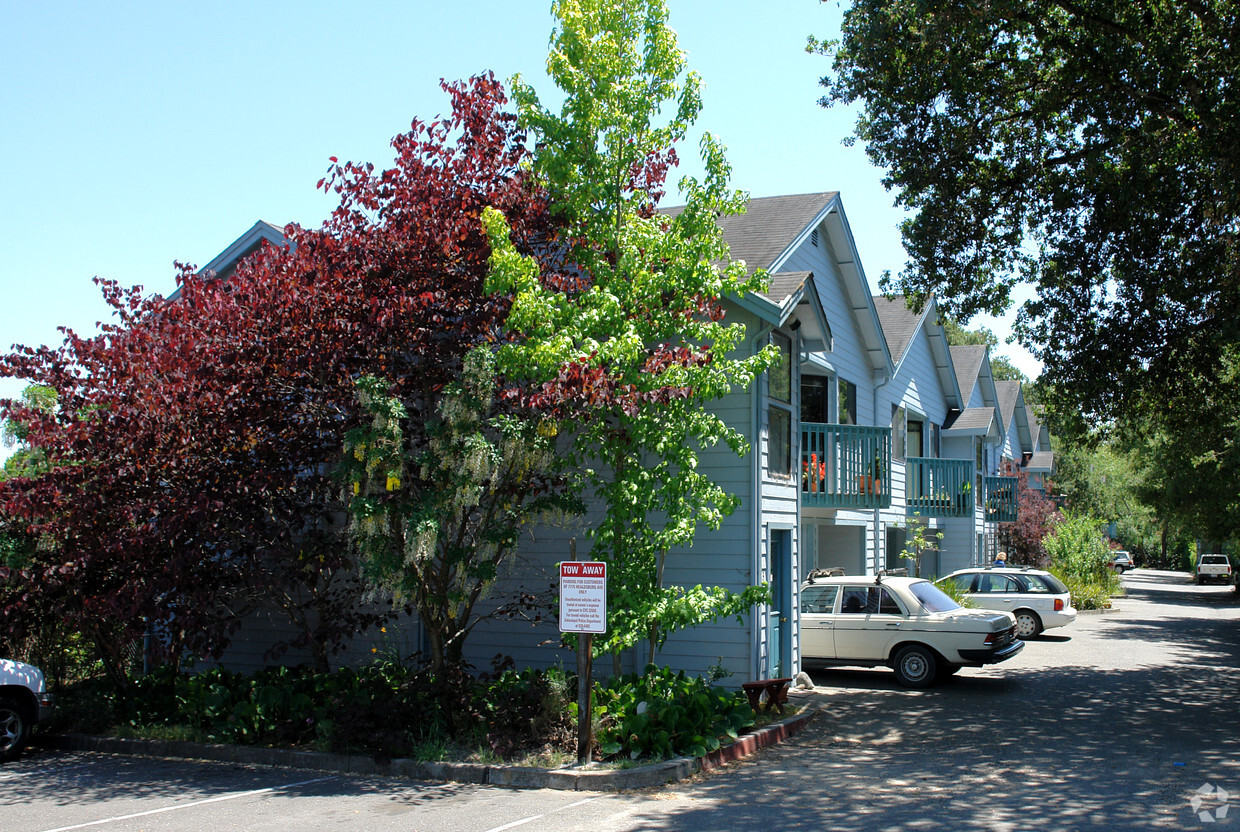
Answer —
(918, 544)
(1187, 448)
(629, 341)
(36, 401)
(1088, 149)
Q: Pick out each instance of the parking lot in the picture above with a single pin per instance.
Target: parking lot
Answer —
(1115, 722)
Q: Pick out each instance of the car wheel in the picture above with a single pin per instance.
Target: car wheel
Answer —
(915, 666)
(14, 727)
(1119, 570)
(1028, 625)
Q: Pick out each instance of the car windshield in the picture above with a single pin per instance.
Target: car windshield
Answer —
(1213, 559)
(933, 598)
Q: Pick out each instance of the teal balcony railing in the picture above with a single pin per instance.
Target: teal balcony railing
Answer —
(938, 487)
(1000, 494)
(845, 466)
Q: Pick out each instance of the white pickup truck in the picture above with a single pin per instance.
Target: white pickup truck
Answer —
(24, 701)
(1213, 568)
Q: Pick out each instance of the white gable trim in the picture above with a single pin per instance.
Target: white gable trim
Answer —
(862, 303)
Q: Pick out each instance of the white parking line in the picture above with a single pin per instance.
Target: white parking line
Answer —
(521, 822)
(190, 805)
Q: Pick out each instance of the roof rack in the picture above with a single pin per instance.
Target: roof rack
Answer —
(902, 572)
(830, 572)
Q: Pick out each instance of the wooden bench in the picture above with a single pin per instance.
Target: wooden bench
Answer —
(774, 691)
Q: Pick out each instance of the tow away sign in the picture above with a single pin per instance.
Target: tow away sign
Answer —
(583, 597)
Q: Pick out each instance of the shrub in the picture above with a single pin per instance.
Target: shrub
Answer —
(957, 591)
(1079, 554)
(385, 709)
(663, 714)
(528, 709)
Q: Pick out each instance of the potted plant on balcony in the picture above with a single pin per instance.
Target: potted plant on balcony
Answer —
(965, 497)
(814, 474)
(872, 483)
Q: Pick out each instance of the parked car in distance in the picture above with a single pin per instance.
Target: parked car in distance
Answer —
(907, 624)
(1037, 599)
(1121, 561)
(1213, 567)
(24, 701)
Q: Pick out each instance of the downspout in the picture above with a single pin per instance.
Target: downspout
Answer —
(885, 379)
(756, 496)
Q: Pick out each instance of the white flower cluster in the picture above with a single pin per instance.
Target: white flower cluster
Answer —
(420, 542)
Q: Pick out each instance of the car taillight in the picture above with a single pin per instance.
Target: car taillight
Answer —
(1058, 605)
(990, 638)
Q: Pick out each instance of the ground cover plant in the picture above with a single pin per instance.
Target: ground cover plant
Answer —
(389, 709)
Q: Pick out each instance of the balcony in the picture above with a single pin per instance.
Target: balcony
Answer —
(938, 487)
(1000, 494)
(844, 466)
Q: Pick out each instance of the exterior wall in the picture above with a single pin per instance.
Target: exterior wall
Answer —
(917, 387)
(1011, 442)
(848, 360)
(264, 628)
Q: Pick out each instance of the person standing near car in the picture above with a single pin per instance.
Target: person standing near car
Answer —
(1000, 560)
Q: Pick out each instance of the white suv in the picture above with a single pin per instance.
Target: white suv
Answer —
(1038, 599)
(24, 700)
(1213, 567)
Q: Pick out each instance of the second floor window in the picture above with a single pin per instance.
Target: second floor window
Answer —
(780, 373)
(897, 432)
(779, 449)
(779, 410)
(847, 403)
(814, 399)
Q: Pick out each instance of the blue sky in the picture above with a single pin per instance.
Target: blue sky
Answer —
(136, 134)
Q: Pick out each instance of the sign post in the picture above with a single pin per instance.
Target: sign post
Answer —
(583, 610)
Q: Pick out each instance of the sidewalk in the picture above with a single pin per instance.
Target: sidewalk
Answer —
(517, 777)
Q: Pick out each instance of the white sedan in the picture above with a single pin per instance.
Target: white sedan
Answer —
(908, 624)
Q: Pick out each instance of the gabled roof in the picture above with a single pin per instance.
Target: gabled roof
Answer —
(900, 326)
(974, 421)
(771, 225)
(967, 359)
(1041, 462)
(1008, 392)
(1038, 430)
(226, 262)
(899, 323)
(1012, 410)
(772, 228)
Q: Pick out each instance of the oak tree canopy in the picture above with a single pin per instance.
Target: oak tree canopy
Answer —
(1087, 147)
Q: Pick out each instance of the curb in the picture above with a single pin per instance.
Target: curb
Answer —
(515, 777)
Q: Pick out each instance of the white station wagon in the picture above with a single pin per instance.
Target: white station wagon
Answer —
(908, 624)
(1038, 599)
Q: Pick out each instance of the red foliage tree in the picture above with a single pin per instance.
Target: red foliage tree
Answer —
(1036, 516)
(189, 458)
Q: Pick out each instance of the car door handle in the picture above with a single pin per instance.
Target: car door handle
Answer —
(893, 623)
